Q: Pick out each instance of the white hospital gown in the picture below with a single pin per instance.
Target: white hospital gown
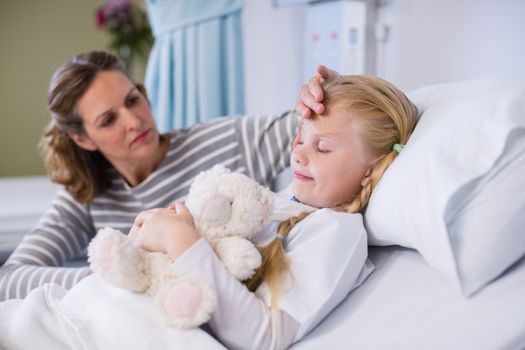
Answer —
(327, 252)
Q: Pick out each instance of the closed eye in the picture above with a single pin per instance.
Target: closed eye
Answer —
(322, 146)
(319, 147)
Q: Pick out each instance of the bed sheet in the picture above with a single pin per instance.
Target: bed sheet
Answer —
(407, 305)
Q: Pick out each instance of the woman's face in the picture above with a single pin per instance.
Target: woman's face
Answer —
(117, 121)
(328, 161)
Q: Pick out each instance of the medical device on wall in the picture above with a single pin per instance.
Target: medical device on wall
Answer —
(336, 36)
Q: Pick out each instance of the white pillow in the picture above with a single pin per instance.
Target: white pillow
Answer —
(455, 193)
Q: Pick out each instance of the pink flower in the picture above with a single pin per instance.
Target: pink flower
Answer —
(127, 26)
(100, 18)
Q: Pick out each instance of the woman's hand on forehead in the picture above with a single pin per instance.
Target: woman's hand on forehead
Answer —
(311, 94)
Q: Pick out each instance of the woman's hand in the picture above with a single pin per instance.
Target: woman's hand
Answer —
(170, 230)
(311, 94)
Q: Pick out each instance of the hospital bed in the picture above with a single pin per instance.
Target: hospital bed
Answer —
(405, 304)
(446, 232)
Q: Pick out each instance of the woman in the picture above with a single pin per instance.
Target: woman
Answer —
(103, 146)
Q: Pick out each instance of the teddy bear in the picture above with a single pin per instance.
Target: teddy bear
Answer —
(228, 209)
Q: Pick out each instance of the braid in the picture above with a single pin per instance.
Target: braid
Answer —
(274, 261)
(360, 201)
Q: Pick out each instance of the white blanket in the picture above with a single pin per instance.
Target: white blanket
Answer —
(91, 316)
(403, 305)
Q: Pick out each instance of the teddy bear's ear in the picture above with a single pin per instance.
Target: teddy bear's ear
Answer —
(219, 169)
(211, 208)
(212, 173)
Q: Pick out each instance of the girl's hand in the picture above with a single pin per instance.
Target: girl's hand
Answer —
(311, 94)
(169, 230)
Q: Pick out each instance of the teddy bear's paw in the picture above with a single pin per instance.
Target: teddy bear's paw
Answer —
(186, 303)
(239, 256)
(112, 255)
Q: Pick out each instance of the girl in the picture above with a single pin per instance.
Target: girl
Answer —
(316, 256)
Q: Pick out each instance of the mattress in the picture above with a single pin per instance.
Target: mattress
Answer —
(407, 305)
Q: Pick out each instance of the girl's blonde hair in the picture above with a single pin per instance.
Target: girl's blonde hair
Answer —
(83, 173)
(386, 117)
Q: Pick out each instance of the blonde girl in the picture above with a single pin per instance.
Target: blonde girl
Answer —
(314, 252)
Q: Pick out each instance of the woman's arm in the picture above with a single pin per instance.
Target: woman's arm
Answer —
(265, 144)
(311, 94)
(60, 235)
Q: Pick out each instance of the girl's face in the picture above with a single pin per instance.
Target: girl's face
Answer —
(329, 161)
(117, 121)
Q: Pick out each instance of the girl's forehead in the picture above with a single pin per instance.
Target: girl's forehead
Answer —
(334, 124)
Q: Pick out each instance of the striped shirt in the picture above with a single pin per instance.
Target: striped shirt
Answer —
(256, 146)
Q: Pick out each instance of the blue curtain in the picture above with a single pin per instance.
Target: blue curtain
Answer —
(195, 68)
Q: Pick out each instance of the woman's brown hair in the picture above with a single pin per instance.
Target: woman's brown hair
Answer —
(83, 173)
(386, 117)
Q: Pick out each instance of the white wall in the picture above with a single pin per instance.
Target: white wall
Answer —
(273, 46)
(434, 41)
(427, 42)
